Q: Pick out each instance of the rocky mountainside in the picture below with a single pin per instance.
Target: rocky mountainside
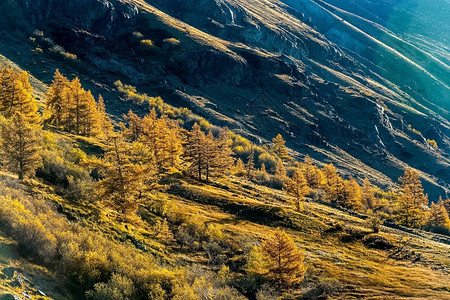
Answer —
(362, 84)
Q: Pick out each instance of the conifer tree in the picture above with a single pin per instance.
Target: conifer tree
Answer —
(263, 168)
(172, 146)
(368, 198)
(239, 168)
(438, 217)
(89, 117)
(16, 96)
(221, 160)
(135, 126)
(279, 148)
(250, 165)
(164, 232)
(352, 197)
(334, 184)
(8, 90)
(74, 101)
(195, 152)
(105, 124)
(21, 145)
(412, 203)
(446, 204)
(56, 100)
(297, 187)
(127, 171)
(209, 154)
(74, 109)
(284, 258)
(313, 175)
(280, 171)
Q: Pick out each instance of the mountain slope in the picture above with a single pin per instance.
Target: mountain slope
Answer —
(335, 79)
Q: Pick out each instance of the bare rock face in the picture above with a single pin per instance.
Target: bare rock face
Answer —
(315, 73)
(98, 16)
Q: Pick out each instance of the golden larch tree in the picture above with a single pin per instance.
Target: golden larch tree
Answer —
(334, 185)
(135, 126)
(438, 218)
(16, 95)
(412, 203)
(313, 175)
(239, 168)
(194, 152)
(55, 99)
(221, 160)
(263, 169)
(74, 101)
(250, 165)
(172, 146)
(297, 187)
(105, 124)
(280, 171)
(352, 195)
(21, 145)
(127, 171)
(368, 199)
(279, 148)
(285, 260)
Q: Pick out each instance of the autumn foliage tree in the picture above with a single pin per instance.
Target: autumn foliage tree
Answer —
(127, 172)
(333, 184)
(412, 203)
(313, 175)
(163, 137)
(297, 187)
(104, 121)
(56, 100)
(72, 108)
(438, 219)
(250, 165)
(279, 148)
(21, 145)
(206, 155)
(16, 96)
(20, 129)
(368, 199)
(352, 195)
(239, 168)
(285, 260)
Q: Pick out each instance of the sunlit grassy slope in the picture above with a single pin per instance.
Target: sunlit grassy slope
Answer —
(333, 240)
(243, 208)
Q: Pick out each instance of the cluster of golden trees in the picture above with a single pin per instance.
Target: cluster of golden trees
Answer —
(409, 205)
(20, 123)
(133, 156)
(73, 109)
(136, 154)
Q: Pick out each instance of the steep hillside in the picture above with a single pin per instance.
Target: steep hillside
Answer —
(351, 84)
(217, 224)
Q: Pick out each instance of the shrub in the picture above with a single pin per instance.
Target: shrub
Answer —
(433, 144)
(374, 223)
(148, 44)
(138, 35)
(268, 160)
(117, 288)
(34, 239)
(172, 41)
(61, 167)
